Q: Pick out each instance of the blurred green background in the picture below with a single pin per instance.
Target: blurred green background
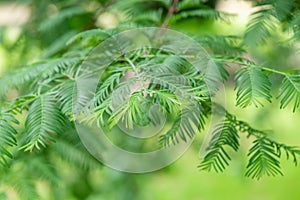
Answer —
(23, 41)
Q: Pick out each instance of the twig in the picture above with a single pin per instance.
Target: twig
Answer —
(172, 10)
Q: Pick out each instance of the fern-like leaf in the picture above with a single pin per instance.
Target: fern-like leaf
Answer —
(217, 158)
(186, 125)
(166, 99)
(260, 26)
(263, 159)
(175, 83)
(290, 91)
(35, 72)
(133, 112)
(107, 87)
(290, 151)
(64, 94)
(43, 123)
(7, 137)
(252, 85)
(265, 19)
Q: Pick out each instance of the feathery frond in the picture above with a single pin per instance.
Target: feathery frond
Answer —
(169, 102)
(252, 86)
(290, 152)
(107, 87)
(64, 94)
(43, 123)
(186, 124)
(7, 136)
(137, 80)
(131, 111)
(174, 83)
(290, 91)
(34, 72)
(260, 26)
(263, 159)
(224, 136)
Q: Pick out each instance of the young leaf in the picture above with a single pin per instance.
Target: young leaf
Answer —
(259, 27)
(290, 91)
(263, 159)
(217, 158)
(65, 95)
(43, 123)
(7, 136)
(252, 86)
(187, 124)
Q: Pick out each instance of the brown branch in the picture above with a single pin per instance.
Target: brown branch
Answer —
(172, 10)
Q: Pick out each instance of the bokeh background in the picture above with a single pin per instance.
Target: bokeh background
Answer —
(25, 38)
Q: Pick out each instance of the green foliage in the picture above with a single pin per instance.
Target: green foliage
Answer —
(290, 91)
(260, 26)
(58, 19)
(205, 13)
(8, 136)
(89, 35)
(45, 90)
(263, 159)
(224, 45)
(43, 123)
(76, 156)
(266, 18)
(252, 84)
(30, 75)
(217, 158)
(264, 155)
(64, 95)
(186, 124)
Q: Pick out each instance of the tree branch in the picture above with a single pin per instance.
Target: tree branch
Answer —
(172, 10)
